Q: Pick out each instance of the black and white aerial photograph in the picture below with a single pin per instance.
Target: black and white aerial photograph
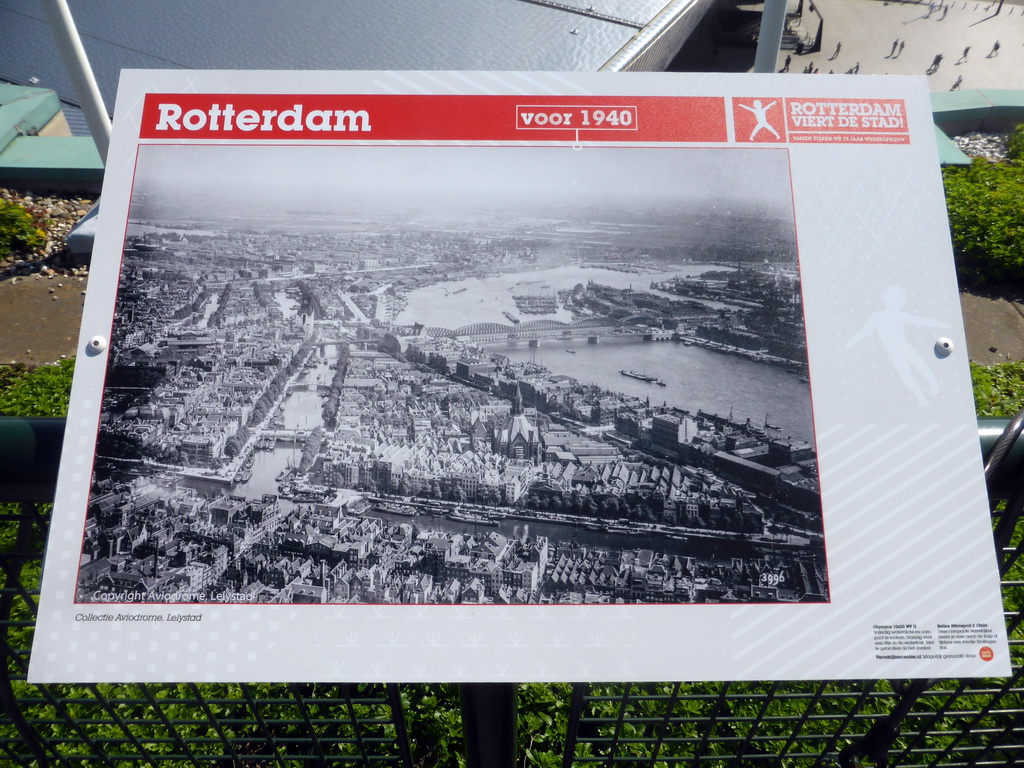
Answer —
(483, 375)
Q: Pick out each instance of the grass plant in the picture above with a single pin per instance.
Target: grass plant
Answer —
(20, 229)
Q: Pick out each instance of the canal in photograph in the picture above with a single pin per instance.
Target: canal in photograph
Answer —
(556, 533)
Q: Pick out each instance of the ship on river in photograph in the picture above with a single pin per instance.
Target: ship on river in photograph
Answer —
(457, 375)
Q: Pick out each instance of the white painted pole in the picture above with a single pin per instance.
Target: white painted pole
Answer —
(769, 40)
(58, 16)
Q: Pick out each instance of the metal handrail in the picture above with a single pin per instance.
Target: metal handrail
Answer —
(30, 450)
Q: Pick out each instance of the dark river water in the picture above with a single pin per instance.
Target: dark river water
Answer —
(695, 378)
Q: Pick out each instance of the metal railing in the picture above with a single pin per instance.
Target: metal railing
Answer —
(824, 723)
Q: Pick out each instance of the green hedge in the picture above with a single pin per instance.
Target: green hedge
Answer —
(985, 202)
(1016, 148)
(43, 391)
(998, 389)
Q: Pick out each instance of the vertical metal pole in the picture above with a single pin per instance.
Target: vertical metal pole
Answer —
(13, 563)
(489, 721)
(769, 39)
(572, 732)
(58, 16)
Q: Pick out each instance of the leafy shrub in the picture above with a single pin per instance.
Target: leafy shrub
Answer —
(986, 218)
(43, 391)
(998, 389)
(19, 230)
(1016, 148)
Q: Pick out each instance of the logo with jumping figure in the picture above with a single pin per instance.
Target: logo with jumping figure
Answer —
(759, 120)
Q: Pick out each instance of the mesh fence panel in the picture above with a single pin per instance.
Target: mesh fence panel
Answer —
(976, 722)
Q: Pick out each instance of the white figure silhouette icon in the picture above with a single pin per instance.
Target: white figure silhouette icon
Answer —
(760, 111)
(890, 326)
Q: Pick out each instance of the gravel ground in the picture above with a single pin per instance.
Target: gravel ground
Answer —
(60, 213)
(991, 146)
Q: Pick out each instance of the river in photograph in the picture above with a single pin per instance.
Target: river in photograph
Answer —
(695, 378)
(455, 303)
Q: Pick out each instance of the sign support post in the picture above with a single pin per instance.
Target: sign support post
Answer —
(489, 720)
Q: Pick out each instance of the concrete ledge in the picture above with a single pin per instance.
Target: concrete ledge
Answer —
(992, 110)
(37, 151)
(949, 152)
(25, 112)
(52, 162)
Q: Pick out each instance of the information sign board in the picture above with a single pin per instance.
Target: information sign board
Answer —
(520, 376)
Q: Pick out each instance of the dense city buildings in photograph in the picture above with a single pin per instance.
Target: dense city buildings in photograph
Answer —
(492, 390)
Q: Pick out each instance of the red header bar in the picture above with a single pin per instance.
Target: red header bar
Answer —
(335, 117)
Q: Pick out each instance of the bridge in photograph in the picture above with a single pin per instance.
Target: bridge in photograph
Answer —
(530, 330)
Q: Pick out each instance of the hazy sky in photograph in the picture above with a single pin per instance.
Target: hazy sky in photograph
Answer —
(379, 178)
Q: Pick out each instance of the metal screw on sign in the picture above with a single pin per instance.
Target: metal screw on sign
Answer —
(96, 345)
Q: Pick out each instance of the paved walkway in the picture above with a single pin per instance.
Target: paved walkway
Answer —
(865, 30)
(994, 324)
(40, 319)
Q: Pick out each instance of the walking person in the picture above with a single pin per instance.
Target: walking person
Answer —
(963, 56)
(902, 43)
(835, 53)
(956, 85)
(994, 51)
(785, 67)
(893, 51)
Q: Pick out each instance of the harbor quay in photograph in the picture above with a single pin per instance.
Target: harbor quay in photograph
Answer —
(272, 434)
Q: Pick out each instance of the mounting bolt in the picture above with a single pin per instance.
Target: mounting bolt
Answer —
(943, 347)
(96, 345)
